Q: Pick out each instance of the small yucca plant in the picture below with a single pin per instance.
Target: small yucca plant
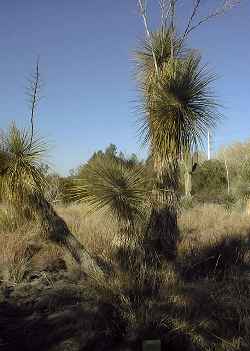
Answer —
(20, 166)
(111, 186)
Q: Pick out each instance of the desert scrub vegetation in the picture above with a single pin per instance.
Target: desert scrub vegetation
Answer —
(125, 262)
(201, 300)
(213, 239)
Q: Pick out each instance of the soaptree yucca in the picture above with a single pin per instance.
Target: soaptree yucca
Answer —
(178, 108)
(23, 185)
(110, 185)
(20, 167)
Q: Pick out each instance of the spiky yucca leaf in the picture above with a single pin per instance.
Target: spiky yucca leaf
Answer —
(179, 107)
(161, 45)
(111, 186)
(20, 170)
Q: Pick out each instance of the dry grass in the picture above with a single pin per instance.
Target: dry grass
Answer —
(97, 232)
(202, 228)
(213, 240)
(23, 253)
(13, 260)
(212, 222)
(203, 297)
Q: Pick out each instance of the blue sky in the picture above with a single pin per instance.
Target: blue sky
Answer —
(86, 49)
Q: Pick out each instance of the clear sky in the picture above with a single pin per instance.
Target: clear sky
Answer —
(86, 49)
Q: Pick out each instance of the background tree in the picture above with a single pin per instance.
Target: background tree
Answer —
(110, 153)
(210, 182)
(237, 156)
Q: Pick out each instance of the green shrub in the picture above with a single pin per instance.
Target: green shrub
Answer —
(210, 182)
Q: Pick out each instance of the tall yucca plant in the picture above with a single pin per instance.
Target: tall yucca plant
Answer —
(178, 108)
(111, 186)
(23, 184)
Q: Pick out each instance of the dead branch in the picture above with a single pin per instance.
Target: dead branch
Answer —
(142, 6)
(162, 4)
(168, 12)
(172, 25)
(34, 90)
(221, 10)
(191, 18)
(165, 7)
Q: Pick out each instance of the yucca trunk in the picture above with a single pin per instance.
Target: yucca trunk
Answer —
(56, 230)
(190, 161)
(163, 232)
(188, 183)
